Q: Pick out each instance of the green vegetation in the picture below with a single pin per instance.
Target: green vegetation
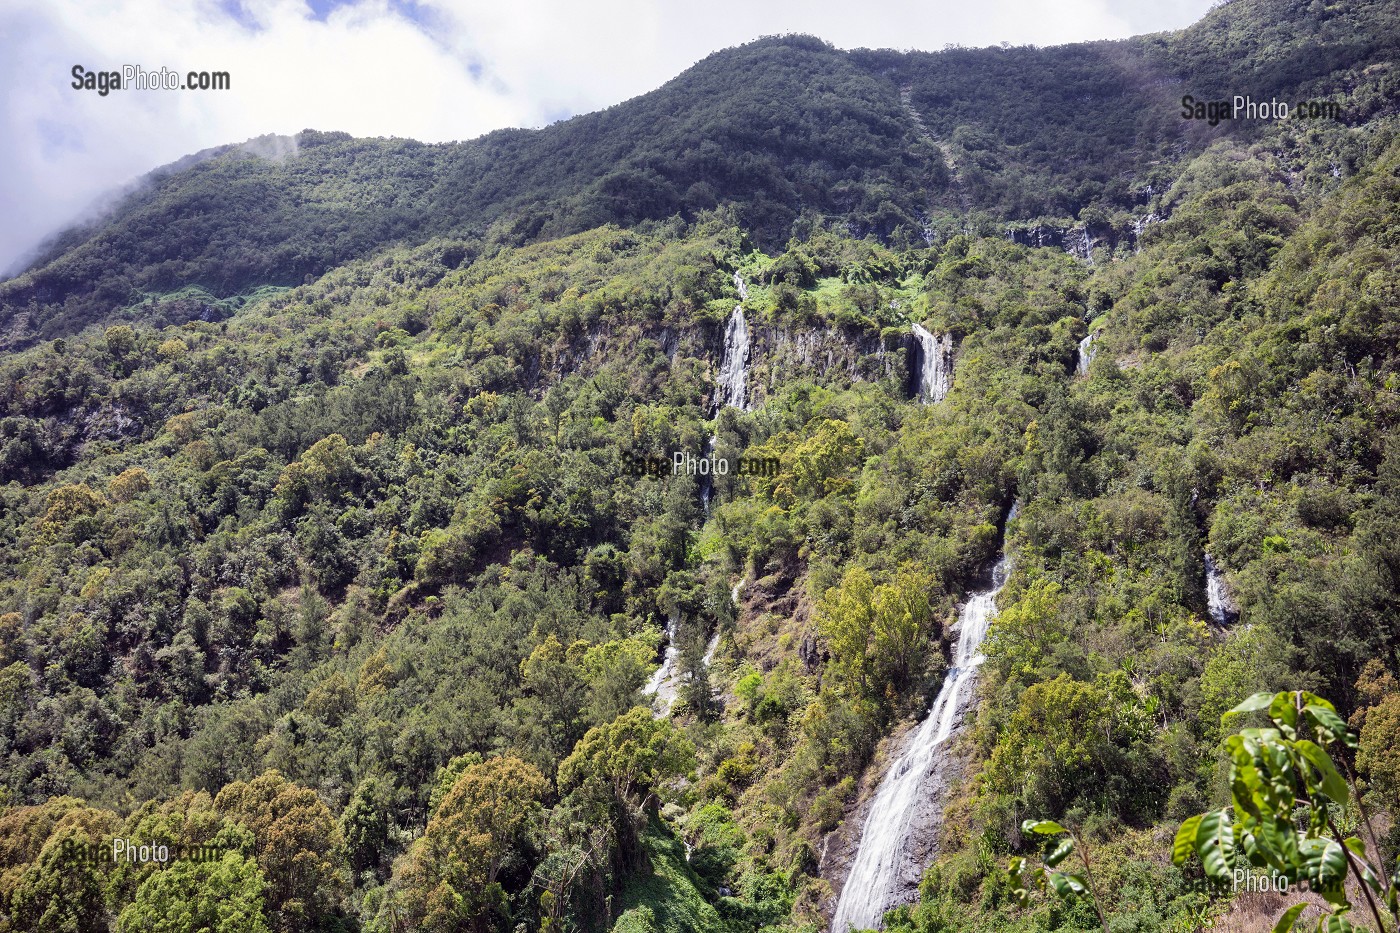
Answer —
(788, 132)
(1279, 780)
(344, 592)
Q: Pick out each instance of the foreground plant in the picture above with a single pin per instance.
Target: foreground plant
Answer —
(1282, 778)
(1047, 876)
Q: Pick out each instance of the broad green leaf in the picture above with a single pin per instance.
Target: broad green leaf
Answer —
(1277, 842)
(1215, 844)
(1290, 916)
(1042, 827)
(1185, 842)
(1255, 851)
(1284, 713)
(1238, 751)
(1326, 862)
(1329, 725)
(1061, 852)
(1312, 699)
(1065, 885)
(1253, 704)
(1332, 782)
(1336, 923)
(1334, 864)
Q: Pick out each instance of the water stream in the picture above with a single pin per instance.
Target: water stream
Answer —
(883, 873)
(665, 680)
(933, 365)
(1219, 602)
(1086, 356)
(733, 366)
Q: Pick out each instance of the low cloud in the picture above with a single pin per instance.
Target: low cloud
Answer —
(433, 70)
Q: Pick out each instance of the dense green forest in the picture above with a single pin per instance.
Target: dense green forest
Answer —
(327, 566)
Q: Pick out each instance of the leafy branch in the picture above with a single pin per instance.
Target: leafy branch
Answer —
(1280, 778)
(1047, 876)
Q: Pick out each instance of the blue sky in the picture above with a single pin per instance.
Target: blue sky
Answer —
(434, 70)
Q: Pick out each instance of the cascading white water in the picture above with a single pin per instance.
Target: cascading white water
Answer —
(883, 868)
(733, 390)
(1086, 355)
(710, 650)
(733, 366)
(934, 364)
(1219, 602)
(665, 680)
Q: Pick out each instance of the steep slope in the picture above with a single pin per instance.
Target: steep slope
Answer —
(781, 129)
(360, 584)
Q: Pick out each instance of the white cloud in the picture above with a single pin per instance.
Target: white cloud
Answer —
(432, 70)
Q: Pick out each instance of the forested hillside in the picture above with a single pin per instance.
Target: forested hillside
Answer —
(791, 132)
(341, 543)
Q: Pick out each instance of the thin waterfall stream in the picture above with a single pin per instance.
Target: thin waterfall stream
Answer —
(665, 680)
(733, 365)
(1219, 602)
(1086, 356)
(733, 391)
(884, 871)
(933, 365)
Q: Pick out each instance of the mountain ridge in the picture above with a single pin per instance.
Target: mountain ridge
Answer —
(789, 132)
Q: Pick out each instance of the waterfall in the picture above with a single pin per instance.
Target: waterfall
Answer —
(884, 871)
(665, 680)
(733, 366)
(743, 289)
(710, 649)
(933, 365)
(1219, 602)
(1086, 355)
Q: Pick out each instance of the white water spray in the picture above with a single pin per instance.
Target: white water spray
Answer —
(883, 869)
(733, 366)
(934, 364)
(1086, 355)
(710, 650)
(1219, 602)
(665, 680)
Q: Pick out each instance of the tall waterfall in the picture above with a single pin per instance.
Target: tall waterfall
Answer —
(733, 366)
(743, 289)
(933, 365)
(665, 680)
(1219, 602)
(884, 870)
(1086, 355)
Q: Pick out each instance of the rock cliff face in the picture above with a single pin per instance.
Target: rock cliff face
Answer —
(840, 848)
(741, 376)
(825, 353)
(1081, 239)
